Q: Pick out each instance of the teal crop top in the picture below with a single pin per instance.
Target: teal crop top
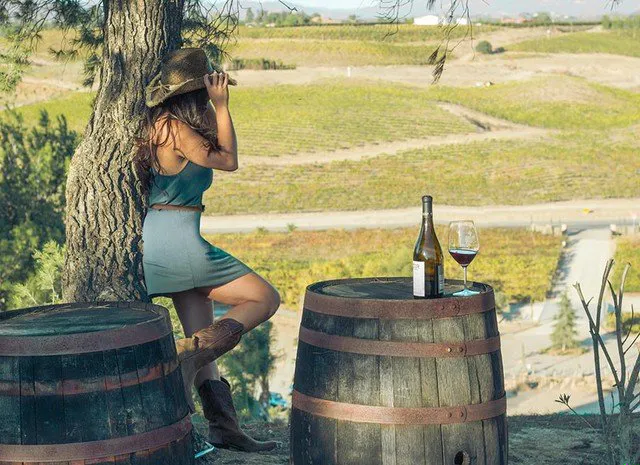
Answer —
(183, 188)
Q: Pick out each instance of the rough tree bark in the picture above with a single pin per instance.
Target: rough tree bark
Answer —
(104, 201)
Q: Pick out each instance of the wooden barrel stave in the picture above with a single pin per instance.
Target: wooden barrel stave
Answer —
(318, 380)
(358, 383)
(96, 415)
(411, 385)
(9, 411)
(73, 399)
(398, 381)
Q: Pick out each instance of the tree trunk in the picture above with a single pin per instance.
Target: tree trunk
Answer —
(104, 200)
(264, 394)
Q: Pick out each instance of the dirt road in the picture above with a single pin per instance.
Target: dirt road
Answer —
(613, 70)
(573, 212)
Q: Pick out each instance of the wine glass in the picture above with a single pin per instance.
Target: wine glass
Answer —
(463, 247)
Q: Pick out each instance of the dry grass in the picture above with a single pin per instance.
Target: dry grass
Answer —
(533, 439)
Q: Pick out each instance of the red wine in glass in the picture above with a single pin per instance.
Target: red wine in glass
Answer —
(463, 256)
(463, 247)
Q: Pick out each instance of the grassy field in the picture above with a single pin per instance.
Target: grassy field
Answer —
(52, 37)
(76, 107)
(617, 42)
(334, 52)
(628, 251)
(561, 102)
(293, 119)
(369, 32)
(517, 262)
(341, 113)
(359, 32)
(333, 45)
(580, 165)
(288, 119)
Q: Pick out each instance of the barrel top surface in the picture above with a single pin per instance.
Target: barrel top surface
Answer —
(396, 288)
(71, 320)
(392, 298)
(81, 327)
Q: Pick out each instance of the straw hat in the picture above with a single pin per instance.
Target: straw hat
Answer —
(181, 71)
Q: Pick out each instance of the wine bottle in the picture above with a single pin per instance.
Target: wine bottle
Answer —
(428, 260)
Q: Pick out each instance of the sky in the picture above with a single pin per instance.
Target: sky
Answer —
(495, 7)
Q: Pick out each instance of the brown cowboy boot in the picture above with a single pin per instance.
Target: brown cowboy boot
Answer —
(224, 430)
(203, 347)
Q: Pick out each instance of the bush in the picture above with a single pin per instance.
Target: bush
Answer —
(44, 286)
(33, 168)
(249, 366)
(484, 47)
(628, 323)
(257, 63)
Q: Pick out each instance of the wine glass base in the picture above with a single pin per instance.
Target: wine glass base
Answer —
(465, 292)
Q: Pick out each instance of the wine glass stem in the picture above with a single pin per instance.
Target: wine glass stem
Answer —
(465, 277)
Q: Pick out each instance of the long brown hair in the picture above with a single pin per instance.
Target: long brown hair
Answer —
(189, 108)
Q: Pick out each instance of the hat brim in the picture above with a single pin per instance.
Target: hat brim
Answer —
(156, 92)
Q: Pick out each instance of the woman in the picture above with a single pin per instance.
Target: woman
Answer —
(183, 141)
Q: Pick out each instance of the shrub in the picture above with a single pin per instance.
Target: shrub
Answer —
(44, 286)
(33, 167)
(257, 63)
(630, 322)
(484, 47)
(249, 366)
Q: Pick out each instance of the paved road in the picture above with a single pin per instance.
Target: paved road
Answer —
(583, 261)
(575, 213)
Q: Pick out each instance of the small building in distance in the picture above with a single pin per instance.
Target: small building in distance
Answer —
(428, 20)
(434, 20)
(319, 19)
(515, 20)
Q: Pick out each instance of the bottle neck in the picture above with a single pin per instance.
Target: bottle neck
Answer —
(427, 210)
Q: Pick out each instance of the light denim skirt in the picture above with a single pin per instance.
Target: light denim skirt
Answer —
(176, 257)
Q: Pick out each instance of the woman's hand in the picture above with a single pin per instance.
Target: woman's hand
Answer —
(217, 88)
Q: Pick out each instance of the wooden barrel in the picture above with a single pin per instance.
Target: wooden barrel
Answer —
(91, 383)
(382, 378)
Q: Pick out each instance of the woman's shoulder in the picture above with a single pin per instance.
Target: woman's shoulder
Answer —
(161, 125)
(178, 128)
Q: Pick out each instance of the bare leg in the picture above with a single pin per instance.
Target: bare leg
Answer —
(254, 300)
(195, 311)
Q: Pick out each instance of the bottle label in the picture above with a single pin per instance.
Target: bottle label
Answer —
(440, 279)
(418, 278)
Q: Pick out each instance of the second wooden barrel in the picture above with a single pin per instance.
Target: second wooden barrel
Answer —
(95, 383)
(382, 378)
